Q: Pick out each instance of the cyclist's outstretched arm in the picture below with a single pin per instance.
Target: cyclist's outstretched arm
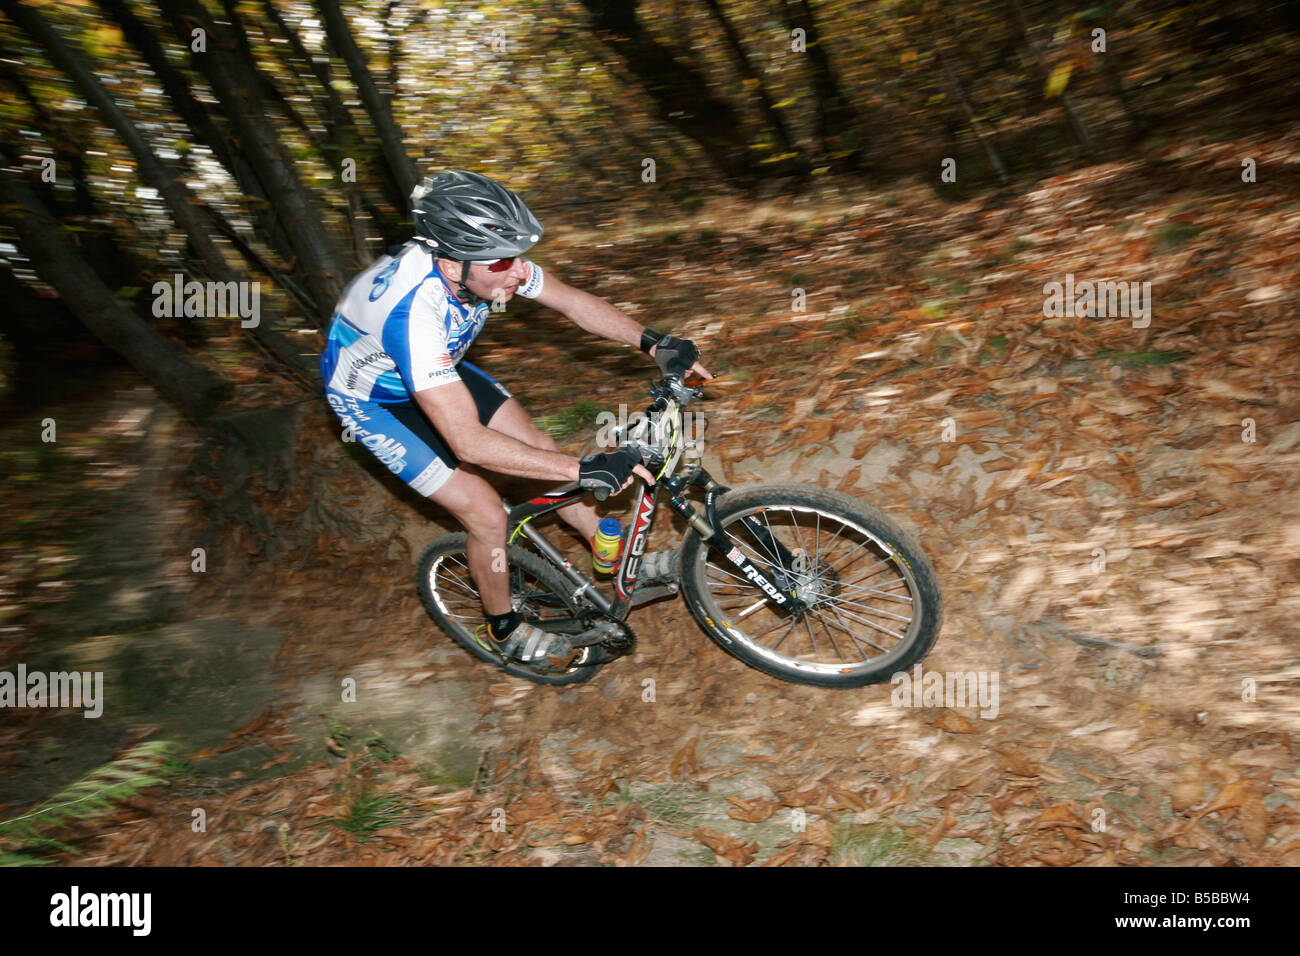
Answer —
(595, 315)
(589, 312)
(451, 409)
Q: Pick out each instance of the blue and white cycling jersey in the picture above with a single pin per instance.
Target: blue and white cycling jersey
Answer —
(399, 329)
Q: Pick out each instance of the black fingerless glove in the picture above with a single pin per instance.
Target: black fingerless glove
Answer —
(603, 474)
(676, 356)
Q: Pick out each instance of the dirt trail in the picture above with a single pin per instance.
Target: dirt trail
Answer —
(1113, 513)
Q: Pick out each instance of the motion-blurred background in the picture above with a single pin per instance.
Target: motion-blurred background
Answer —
(853, 208)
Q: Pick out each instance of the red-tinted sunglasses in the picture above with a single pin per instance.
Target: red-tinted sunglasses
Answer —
(500, 265)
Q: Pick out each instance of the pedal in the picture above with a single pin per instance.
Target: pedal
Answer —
(615, 636)
(654, 592)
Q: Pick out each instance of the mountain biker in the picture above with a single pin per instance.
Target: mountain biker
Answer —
(394, 373)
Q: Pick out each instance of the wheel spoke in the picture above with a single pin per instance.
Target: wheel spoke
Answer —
(777, 623)
(856, 549)
(831, 543)
(881, 591)
(854, 637)
(794, 520)
(852, 616)
(455, 577)
(829, 635)
(709, 566)
(786, 634)
(812, 640)
(867, 607)
(772, 536)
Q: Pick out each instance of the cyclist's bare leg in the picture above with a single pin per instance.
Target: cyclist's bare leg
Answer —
(477, 506)
(513, 420)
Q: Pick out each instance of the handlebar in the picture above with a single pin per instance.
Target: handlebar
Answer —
(671, 388)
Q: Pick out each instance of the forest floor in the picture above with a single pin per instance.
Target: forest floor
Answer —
(1113, 512)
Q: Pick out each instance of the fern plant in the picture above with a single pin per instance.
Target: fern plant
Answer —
(24, 837)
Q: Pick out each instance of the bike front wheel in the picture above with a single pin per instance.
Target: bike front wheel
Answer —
(537, 592)
(873, 606)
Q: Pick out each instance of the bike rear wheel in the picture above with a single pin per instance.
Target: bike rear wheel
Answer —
(537, 592)
(873, 601)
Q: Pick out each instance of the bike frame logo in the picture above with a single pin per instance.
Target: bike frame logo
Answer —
(640, 532)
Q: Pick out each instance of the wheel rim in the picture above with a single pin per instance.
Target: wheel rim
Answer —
(453, 590)
(863, 604)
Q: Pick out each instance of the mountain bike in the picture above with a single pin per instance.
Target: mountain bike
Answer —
(801, 582)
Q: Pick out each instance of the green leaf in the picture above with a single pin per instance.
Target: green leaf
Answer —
(1059, 79)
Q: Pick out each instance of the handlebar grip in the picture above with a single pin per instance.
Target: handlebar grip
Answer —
(600, 493)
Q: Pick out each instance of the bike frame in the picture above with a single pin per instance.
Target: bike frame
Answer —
(634, 542)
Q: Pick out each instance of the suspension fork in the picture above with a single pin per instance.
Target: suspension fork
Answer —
(707, 527)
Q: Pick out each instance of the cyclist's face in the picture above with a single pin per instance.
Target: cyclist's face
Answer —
(497, 285)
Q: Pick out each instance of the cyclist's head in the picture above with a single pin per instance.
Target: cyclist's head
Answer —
(466, 217)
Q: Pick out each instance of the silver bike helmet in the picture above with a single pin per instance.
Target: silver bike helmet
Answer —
(467, 217)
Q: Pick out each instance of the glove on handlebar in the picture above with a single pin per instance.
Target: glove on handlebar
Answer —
(675, 356)
(604, 473)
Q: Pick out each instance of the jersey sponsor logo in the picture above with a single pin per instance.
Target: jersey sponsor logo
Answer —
(346, 405)
(355, 408)
(358, 364)
(383, 280)
(446, 372)
(388, 450)
(465, 329)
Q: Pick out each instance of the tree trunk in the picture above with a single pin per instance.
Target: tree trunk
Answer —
(198, 117)
(836, 122)
(1076, 121)
(322, 262)
(185, 208)
(390, 137)
(593, 53)
(68, 152)
(174, 83)
(174, 193)
(794, 162)
(194, 391)
(345, 142)
(680, 92)
(940, 40)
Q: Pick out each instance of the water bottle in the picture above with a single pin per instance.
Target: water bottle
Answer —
(606, 545)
